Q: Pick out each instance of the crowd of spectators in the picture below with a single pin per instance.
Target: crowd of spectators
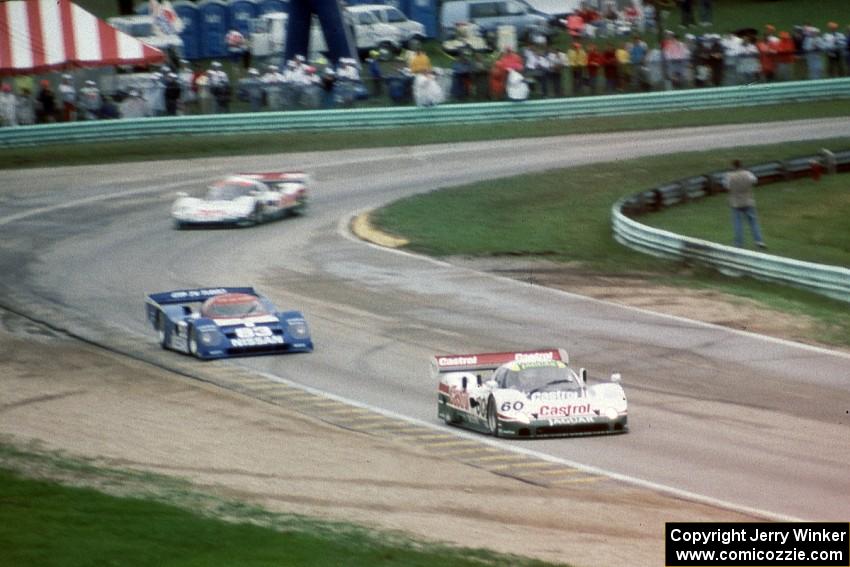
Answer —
(605, 55)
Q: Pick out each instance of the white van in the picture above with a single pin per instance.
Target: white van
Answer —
(268, 35)
(394, 17)
(488, 15)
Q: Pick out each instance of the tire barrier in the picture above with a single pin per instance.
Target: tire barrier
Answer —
(388, 117)
(832, 281)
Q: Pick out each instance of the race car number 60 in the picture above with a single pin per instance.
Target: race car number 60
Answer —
(508, 406)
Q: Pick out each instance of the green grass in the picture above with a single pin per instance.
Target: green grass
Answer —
(44, 523)
(185, 147)
(801, 219)
(564, 215)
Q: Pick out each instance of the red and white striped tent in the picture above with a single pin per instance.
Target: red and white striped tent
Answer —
(44, 35)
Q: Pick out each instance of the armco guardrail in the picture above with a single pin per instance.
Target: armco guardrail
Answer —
(832, 281)
(359, 118)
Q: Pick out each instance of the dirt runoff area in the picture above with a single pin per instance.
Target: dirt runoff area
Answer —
(81, 400)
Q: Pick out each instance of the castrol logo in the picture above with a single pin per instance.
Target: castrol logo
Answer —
(533, 356)
(457, 360)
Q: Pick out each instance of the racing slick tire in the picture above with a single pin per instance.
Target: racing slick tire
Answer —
(160, 330)
(193, 343)
(492, 418)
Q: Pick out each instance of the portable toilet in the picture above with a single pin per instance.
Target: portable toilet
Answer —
(269, 6)
(214, 28)
(190, 17)
(423, 11)
(142, 9)
(241, 14)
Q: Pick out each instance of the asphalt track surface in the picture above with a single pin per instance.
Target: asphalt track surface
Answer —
(759, 423)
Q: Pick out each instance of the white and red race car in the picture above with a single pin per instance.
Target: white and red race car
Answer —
(527, 394)
(244, 199)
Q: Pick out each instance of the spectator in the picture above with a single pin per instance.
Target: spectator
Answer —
(785, 57)
(375, 75)
(767, 56)
(556, 61)
(133, 105)
(26, 107)
(638, 51)
(426, 89)
(749, 61)
(624, 67)
(188, 93)
(535, 69)
(461, 76)
(8, 106)
(236, 46)
(90, 102)
(834, 44)
(609, 69)
(173, 93)
(731, 44)
(516, 87)
(273, 85)
(813, 48)
(68, 94)
(46, 104)
(594, 64)
(480, 77)
(250, 90)
(739, 183)
(420, 62)
(219, 87)
(577, 59)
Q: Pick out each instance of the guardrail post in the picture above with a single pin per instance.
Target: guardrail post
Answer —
(828, 159)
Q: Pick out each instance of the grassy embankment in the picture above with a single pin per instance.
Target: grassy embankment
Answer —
(565, 215)
(143, 519)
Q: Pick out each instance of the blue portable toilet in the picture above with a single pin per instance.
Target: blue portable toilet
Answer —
(422, 11)
(241, 14)
(214, 16)
(268, 6)
(190, 17)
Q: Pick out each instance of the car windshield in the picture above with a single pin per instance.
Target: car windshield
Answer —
(228, 190)
(223, 307)
(542, 379)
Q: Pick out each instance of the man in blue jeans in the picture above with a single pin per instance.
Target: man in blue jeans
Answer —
(739, 183)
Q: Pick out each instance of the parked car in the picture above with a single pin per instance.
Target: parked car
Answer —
(142, 28)
(268, 35)
(488, 15)
(392, 16)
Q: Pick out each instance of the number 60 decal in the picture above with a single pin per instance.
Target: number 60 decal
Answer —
(515, 406)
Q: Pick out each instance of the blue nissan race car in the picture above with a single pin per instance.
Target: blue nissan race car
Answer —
(225, 321)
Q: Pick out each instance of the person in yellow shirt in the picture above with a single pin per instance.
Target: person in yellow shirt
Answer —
(625, 67)
(577, 60)
(420, 63)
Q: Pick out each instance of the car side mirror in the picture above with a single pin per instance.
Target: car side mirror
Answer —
(182, 194)
(616, 377)
(491, 384)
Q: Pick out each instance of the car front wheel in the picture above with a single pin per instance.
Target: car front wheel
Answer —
(492, 418)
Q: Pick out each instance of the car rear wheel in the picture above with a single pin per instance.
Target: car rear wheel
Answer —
(492, 418)
(160, 330)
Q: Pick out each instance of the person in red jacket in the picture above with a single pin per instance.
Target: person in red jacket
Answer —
(785, 56)
(767, 57)
(595, 60)
(610, 70)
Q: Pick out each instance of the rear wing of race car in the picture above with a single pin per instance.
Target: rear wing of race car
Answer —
(483, 364)
(278, 176)
(194, 295)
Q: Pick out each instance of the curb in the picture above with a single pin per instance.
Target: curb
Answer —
(362, 228)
